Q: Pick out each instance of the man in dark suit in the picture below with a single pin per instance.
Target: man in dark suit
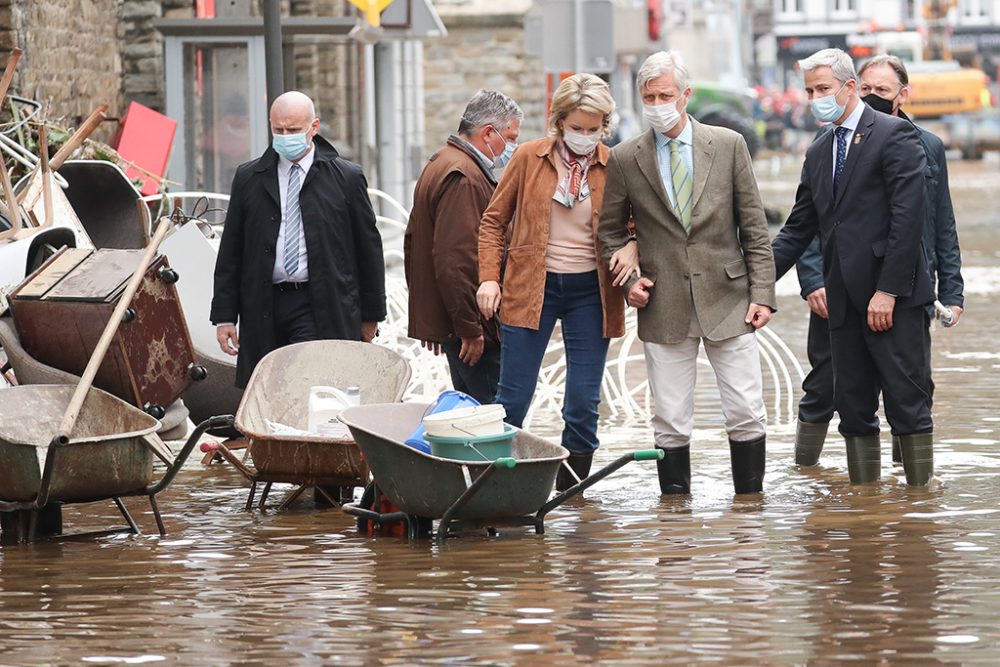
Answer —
(300, 257)
(885, 88)
(862, 191)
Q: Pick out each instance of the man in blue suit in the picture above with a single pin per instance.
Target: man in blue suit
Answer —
(885, 88)
(862, 190)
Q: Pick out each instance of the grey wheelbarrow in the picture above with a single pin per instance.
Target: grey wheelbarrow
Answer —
(508, 491)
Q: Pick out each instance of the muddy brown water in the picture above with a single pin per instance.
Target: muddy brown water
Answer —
(814, 571)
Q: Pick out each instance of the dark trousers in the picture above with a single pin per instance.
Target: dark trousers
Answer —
(293, 317)
(479, 381)
(816, 405)
(575, 299)
(892, 362)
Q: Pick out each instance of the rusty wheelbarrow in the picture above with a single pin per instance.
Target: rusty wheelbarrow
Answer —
(109, 455)
(278, 393)
(510, 491)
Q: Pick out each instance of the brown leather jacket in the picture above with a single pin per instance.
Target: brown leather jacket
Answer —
(524, 199)
(440, 247)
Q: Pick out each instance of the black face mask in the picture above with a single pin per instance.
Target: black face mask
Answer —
(880, 104)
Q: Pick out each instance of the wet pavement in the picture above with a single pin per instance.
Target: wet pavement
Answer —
(815, 571)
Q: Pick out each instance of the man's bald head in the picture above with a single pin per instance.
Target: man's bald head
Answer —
(294, 102)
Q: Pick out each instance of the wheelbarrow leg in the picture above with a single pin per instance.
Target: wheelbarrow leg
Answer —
(292, 498)
(468, 494)
(263, 495)
(253, 491)
(128, 517)
(156, 514)
(323, 492)
(32, 525)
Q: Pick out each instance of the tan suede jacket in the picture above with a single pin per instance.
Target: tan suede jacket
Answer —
(523, 198)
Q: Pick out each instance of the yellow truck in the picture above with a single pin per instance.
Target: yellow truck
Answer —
(943, 88)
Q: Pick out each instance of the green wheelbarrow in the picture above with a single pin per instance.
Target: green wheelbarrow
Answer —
(509, 491)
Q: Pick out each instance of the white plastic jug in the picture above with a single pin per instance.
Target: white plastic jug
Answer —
(325, 404)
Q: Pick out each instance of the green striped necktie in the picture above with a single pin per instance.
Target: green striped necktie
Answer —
(682, 185)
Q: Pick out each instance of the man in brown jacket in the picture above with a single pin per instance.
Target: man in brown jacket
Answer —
(707, 270)
(441, 243)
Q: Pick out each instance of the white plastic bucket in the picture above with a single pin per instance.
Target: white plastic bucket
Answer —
(473, 420)
(325, 404)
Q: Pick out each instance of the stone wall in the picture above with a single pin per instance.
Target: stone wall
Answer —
(480, 51)
(72, 57)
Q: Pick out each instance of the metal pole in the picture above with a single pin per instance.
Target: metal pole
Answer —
(272, 50)
(577, 36)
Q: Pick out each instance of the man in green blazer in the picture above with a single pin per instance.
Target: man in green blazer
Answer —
(707, 270)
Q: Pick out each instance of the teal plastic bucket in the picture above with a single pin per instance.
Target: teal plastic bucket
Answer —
(474, 447)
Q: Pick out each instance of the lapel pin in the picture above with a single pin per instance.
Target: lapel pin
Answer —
(857, 138)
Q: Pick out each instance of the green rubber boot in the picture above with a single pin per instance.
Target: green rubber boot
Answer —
(897, 456)
(864, 462)
(809, 439)
(918, 457)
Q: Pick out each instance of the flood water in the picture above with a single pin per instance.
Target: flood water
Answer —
(814, 571)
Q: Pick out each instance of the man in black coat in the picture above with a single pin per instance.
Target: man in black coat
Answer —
(885, 88)
(862, 191)
(300, 257)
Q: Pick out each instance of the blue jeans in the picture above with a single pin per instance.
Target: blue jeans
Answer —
(574, 298)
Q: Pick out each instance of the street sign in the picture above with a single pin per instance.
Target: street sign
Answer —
(372, 9)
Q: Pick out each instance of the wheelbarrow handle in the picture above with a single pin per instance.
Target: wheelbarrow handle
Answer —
(192, 441)
(587, 482)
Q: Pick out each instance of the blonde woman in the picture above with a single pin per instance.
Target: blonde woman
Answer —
(550, 194)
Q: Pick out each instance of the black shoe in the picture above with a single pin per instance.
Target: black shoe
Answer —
(674, 471)
(747, 459)
(580, 463)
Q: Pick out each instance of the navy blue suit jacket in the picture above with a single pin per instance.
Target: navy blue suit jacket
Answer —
(871, 231)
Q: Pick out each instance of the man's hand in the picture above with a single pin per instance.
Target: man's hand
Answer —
(368, 331)
(880, 311)
(229, 342)
(624, 262)
(956, 315)
(472, 350)
(638, 294)
(488, 298)
(757, 315)
(432, 346)
(817, 302)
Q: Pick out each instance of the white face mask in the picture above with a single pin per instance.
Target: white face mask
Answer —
(661, 117)
(581, 144)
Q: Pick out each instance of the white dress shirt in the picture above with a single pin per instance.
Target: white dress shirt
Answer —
(279, 275)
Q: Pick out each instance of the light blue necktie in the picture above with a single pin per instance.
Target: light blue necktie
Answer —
(293, 220)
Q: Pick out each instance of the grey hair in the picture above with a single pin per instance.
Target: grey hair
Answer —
(489, 107)
(836, 60)
(660, 63)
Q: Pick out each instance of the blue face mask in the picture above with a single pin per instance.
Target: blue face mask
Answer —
(290, 146)
(827, 109)
(500, 161)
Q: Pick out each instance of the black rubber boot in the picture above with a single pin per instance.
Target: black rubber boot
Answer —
(747, 458)
(918, 457)
(864, 458)
(580, 463)
(897, 454)
(809, 439)
(674, 471)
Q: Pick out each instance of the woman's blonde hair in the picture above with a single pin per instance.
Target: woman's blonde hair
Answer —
(586, 92)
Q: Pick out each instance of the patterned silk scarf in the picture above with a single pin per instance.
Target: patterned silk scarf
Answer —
(573, 186)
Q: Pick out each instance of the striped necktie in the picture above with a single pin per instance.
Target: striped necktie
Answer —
(293, 220)
(681, 179)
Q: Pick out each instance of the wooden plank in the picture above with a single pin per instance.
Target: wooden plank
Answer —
(56, 270)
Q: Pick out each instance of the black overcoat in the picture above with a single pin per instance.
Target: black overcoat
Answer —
(344, 249)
